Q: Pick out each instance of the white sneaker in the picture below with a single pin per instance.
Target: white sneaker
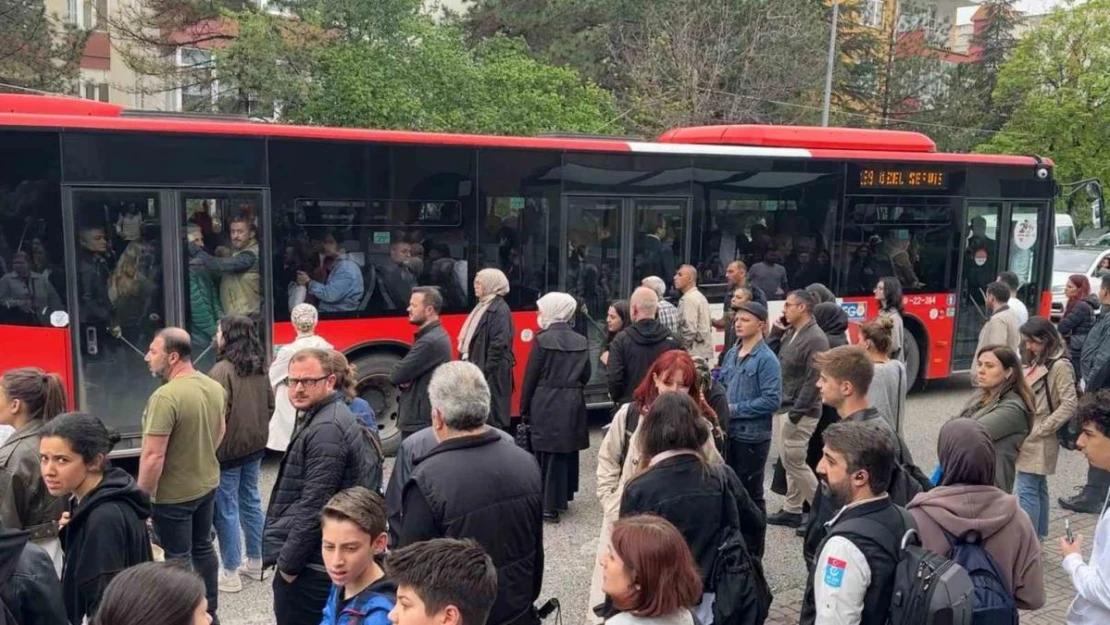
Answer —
(230, 581)
(252, 569)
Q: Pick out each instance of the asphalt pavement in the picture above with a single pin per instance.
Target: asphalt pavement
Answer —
(571, 545)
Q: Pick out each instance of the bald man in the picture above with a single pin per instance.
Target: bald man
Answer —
(695, 325)
(637, 346)
(183, 424)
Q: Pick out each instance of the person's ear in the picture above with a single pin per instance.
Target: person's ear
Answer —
(449, 615)
(380, 544)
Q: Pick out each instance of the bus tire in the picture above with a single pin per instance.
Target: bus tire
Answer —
(374, 386)
(913, 362)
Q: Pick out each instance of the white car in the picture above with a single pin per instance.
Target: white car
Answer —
(1068, 260)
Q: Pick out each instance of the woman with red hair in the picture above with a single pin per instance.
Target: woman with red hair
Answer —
(619, 458)
(1079, 316)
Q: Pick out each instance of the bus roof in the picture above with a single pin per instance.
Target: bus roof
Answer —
(65, 113)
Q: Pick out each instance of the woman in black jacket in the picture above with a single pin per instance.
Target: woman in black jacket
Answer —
(679, 486)
(552, 402)
(486, 339)
(104, 526)
(1079, 316)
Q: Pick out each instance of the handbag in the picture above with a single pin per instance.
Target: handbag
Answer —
(523, 436)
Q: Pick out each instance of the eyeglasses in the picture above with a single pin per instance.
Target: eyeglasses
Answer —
(306, 382)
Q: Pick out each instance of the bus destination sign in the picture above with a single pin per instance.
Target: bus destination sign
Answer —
(880, 178)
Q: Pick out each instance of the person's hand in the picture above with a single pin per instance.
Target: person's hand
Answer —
(605, 357)
(1076, 546)
(289, 579)
(116, 332)
(302, 278)
(64, 521)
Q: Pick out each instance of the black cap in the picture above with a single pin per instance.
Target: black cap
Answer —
(753, 308)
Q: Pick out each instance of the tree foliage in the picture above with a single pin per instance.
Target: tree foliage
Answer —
(356, 64)
(1058, 90)
(37, 50)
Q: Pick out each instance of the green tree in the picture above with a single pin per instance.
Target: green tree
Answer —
(350, 64)
(1057, 87)
(37, 50)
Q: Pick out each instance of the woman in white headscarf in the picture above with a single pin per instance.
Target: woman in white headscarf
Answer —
(486, 339)
(304, 318)
(552, 402)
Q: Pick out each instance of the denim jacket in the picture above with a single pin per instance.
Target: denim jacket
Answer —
(369, 607)
(754, 388)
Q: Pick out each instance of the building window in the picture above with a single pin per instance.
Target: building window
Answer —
(873, 13)
(96, 91)
(198, 82)
(88, 14)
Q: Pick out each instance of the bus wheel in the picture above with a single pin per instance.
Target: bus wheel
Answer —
(383, 397)
(913, 361)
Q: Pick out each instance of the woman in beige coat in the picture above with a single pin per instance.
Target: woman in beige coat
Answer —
(1052, 379)
(619, 459)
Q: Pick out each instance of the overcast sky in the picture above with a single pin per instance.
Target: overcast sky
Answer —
(1035, 7)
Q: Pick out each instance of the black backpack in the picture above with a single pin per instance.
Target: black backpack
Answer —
(994, 604)
(743, 596)
(929, 589)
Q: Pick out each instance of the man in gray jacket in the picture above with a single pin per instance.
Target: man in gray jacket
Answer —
(797, 338)
(1003, 327)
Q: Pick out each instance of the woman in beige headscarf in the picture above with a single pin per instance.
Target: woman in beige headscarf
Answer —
(304, 318)
(486, 339)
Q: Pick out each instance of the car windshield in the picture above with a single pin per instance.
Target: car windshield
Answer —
(1074, 261)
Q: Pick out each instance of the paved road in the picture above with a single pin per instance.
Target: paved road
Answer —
(570, 546)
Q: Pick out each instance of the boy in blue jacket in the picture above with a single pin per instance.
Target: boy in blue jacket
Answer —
(354, 538)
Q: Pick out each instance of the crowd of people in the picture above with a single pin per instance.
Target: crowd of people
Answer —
(457, 535)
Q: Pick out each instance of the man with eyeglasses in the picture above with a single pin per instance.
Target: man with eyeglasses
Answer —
(330, 451)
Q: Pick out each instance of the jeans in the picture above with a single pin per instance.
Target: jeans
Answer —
(749, 461)
(185, 532)
(1032, 492)
(303, 601)
(239, 504)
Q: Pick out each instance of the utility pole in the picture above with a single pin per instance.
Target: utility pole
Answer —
(830, 64)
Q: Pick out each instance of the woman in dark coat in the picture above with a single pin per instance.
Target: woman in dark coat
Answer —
(486, 339)
(1079, 316)
(552, 402)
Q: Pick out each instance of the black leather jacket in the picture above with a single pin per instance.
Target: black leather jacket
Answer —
(25, 503)
(29, 586)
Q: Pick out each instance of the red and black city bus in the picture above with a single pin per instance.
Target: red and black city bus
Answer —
(96, 203)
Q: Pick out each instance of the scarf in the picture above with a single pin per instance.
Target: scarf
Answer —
(966, 453)
(556, 308)
(494, 284)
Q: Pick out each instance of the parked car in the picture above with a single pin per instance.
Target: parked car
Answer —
(1067, 260)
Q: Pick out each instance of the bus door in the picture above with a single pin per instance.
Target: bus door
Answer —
(610, 244)
(999, 236)
(118, 299)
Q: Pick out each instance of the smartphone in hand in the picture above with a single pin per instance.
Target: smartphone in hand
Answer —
(1067, 531)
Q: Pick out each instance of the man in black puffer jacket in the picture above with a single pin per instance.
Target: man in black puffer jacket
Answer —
(331, 450)
(476, 484)
(637, 346)
(29, 586)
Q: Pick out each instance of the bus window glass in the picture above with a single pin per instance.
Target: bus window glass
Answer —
(32, 252)
(515, 206)
(912, 239)
(359, 226)
(780, 223)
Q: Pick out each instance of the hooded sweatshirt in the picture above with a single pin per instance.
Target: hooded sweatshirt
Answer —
(967, 499)
(833, 321)
(105, 535)
(631, 354)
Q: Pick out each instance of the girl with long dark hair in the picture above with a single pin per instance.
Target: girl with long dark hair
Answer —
(29, 399)
(154, 593)
(1004, 404)
(1052, 380)
(678, 485)
(105, 522)
(888, 293)
(618, 318)
(241, 370)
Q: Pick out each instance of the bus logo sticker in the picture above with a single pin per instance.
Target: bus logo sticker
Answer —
(857, 311)
(381, 238)
(980, 257)
(59, 319)
(951, 301)
(1025, 234)
(933, 313)
(951, 312)
(526, 335)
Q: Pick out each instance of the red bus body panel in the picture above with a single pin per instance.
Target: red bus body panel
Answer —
(936, 312)
(45, 348)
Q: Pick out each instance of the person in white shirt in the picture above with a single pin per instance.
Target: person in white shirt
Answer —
(1091, 579)
(1011, 280)
(695, 324)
